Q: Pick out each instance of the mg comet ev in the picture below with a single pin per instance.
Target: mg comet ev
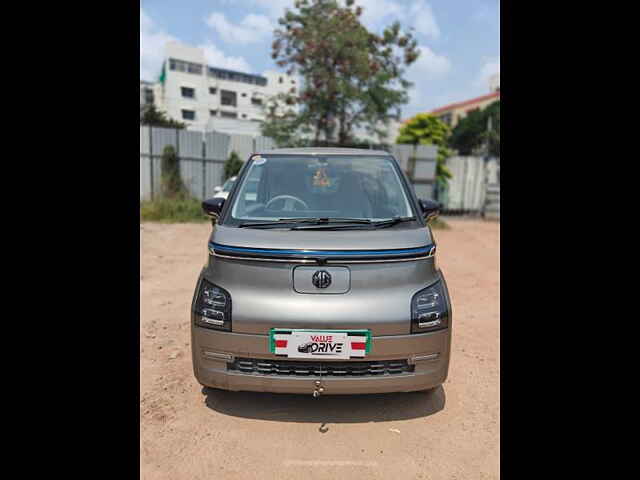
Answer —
(321, 278)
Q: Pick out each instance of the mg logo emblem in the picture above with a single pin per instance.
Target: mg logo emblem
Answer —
(321, 279)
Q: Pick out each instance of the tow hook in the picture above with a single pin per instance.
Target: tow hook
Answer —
(318, 390)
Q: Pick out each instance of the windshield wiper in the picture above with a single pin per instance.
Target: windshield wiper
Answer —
(272, 223)
(392, 221)
(305, 220)
(354, 224)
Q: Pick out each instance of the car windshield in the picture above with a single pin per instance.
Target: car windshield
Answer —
(228, 184)
(330, 186)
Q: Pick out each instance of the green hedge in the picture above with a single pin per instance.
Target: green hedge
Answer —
(172, 210)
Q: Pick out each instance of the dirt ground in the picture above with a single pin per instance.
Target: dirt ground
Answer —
(190, 433)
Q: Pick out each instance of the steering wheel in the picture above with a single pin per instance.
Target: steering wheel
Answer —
(289, 201)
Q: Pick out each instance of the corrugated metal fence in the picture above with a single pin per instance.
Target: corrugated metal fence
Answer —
(419, 163)
(492, 201)
(201, 156)
(474, 188)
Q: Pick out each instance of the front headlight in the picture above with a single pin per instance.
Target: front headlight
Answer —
(212, 308)
(429, 309)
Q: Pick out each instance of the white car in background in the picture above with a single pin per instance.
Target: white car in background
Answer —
(223, 191)
(251, 193)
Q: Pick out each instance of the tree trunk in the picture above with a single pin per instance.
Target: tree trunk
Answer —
(343, 134)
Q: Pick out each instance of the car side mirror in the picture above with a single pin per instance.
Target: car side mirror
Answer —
(213, 207)
(430, 209)
(217, 189)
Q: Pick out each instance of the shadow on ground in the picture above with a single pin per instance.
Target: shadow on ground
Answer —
(281, 407)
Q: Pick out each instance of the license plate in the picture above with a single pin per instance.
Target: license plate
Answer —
(319, 344)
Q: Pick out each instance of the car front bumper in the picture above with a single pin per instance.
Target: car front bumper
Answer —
(212, 351)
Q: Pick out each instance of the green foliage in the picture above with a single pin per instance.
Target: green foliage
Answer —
(439, 224)
(472, 132)
(232, 166)
(427, 129)
(285, 128)
(492, 135)
(155, 118)
(178, 209)
(352, 77)
(171, 180)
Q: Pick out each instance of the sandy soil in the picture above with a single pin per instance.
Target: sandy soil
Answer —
(190, 433)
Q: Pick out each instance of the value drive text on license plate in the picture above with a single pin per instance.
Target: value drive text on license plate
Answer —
(301, 343)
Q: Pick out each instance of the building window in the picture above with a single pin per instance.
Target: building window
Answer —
(188, 92)
(212, 90)
(236, 76)
(188, 115)
(228, 98)
(181, 66)
(194, 68)
(446, 118)
(293, 82)
(224, 114)
(280, 81)
(244, 94)
(213, 113)
(244, 115)
(256, 101)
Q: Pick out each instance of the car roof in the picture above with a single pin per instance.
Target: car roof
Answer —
(323, 151)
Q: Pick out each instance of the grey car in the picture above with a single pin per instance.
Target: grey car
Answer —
(321, 278)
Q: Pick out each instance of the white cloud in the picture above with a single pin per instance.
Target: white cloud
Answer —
(152, 42)
(152, 50)
(490, 67)
(216, 57)
(377, 14)
(275, 8)
(423, 19)
(251, 29)
(428, 66)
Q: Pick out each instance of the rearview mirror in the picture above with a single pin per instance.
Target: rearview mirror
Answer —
(430, 209)
(213, 207)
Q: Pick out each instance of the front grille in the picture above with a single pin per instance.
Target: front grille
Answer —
(328, 369)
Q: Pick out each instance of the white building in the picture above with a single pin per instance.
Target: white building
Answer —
(146, 93)
(206, 97)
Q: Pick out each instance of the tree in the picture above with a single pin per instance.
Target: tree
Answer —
(352, 77)
(232, 166)
(172, 185)
(285, 128)
(427, 129)
(155, 118)
(491, 135)
(472, 133)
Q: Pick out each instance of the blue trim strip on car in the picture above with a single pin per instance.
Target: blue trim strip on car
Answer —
(407, 251)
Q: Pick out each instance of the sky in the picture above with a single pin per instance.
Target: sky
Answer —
(459, 40)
